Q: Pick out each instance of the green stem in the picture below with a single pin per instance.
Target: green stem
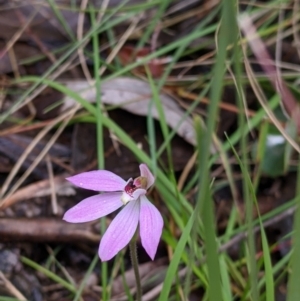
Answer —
(135, 265)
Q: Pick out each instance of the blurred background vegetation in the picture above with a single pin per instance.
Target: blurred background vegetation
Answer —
(205, 92)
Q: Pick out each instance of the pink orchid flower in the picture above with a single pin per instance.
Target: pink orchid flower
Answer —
(137, 210)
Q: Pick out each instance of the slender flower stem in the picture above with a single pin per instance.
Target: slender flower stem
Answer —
(135, 265)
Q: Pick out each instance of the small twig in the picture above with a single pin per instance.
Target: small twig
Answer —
(80, 24)
(294, 25)
(187, 169)
(122, 41)
(102, 10)
(52, 185)
(13, 62)
(11, 288)
(62, 118)
(34, 37)
(155, 36)
(266, 62)
(17, 35)
(46, 230)
(38, 189)
(42, 87)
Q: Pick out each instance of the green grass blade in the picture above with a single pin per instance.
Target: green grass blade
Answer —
(61, 19)
(173, 267)
(49, 274)
(293, 292)
(86, 277)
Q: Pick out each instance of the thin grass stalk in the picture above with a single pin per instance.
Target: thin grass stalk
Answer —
(293, 292)
(125, 285)
(204, 141)
(100, 144)
(49, 274)
(266, 251)
(86, 277)
(61, 19)
(25, 96)
(155, 22)
(173, 266)
(247, 199)
(135, 265)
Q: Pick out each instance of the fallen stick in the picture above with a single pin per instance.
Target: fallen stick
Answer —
(45, 230)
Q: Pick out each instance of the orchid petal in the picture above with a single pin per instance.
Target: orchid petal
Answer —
(138, 192)
(120, 231)
(145, 172)
(98, 180)
(151, 224)
(94, 207)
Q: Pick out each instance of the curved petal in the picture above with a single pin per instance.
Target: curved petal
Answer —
(98, 180)
(120, 231)
(151, 224)
(145, 172)
(138, 192)
(94, 207)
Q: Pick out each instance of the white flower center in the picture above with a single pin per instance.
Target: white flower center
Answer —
(131, 187)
